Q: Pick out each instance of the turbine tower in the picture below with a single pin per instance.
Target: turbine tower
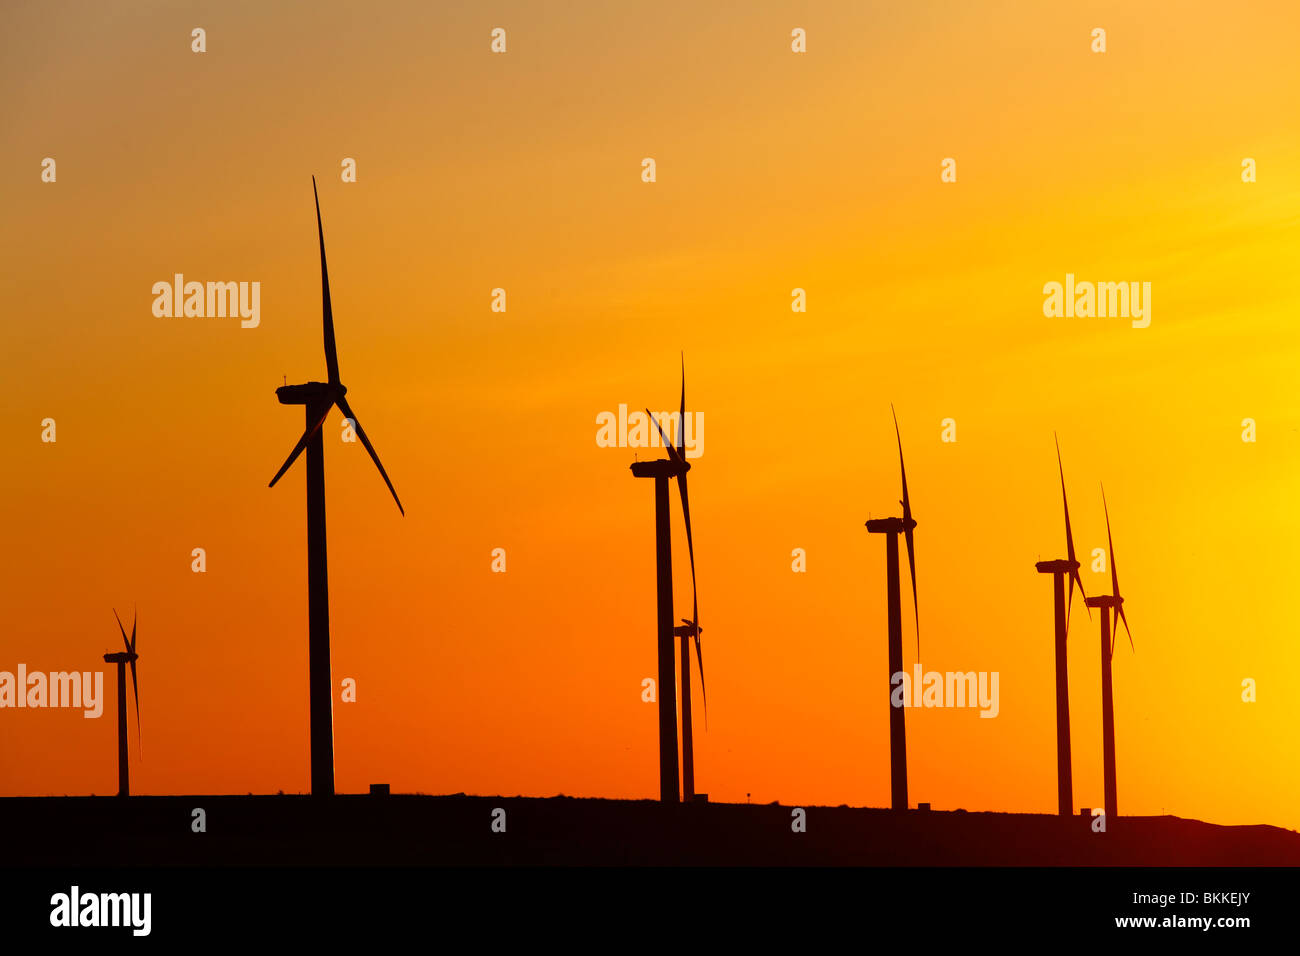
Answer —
(1108, 634)
(318, 398)
(662, 471)
(121, 659)
(892, 528)
(1060, 570)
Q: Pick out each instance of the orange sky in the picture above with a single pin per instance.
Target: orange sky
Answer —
(775, 171)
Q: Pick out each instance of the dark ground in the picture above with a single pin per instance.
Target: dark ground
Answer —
(456, 831)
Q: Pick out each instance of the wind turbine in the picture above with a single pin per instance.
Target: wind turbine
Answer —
(689, 627)
(892, 528)
(1108, 635)
(685, 631)
(121, 659)
(1060, 570)
(662, 471)
(318, 398)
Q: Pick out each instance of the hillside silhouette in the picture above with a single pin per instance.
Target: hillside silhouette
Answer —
(457, 830)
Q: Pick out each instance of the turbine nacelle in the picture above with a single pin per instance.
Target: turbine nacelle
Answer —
(660, 468)
(891, 525)
(309, 393)
(687, 628)
(1059, 566)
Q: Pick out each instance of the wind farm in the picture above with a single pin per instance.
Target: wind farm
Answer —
(664, 830)
(838, 223)
(675, 840)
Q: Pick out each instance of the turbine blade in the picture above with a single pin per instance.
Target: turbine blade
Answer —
(361, 433)
(302, 443)
(134, 619)
(1123, 617)
(1069, 542)
(916, 610)
(690, 543)
(907, 501)
(907, 532)
(327, 310)
(1110, 546)
(123, 630)
(672, 452)
(1074, 576)
(681, 415)
(135, 688)
(699, 657)
(695, 603)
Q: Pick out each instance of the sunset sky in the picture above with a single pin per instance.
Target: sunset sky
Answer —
(775, 170)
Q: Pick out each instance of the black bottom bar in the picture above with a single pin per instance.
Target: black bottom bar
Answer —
(389, 904)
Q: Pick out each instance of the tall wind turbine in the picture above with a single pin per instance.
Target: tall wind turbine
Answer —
(1060, 570)
(892, 528)
(663, 471)
(318, 398)
(689, 628)
(1108, 635)
(121, 659)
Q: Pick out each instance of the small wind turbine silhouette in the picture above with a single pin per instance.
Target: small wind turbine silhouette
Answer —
(1109, 602)
(689, 627)
(685, 631)
(892, 528)
(122, 659)
(1059, 570)
(318, 398)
